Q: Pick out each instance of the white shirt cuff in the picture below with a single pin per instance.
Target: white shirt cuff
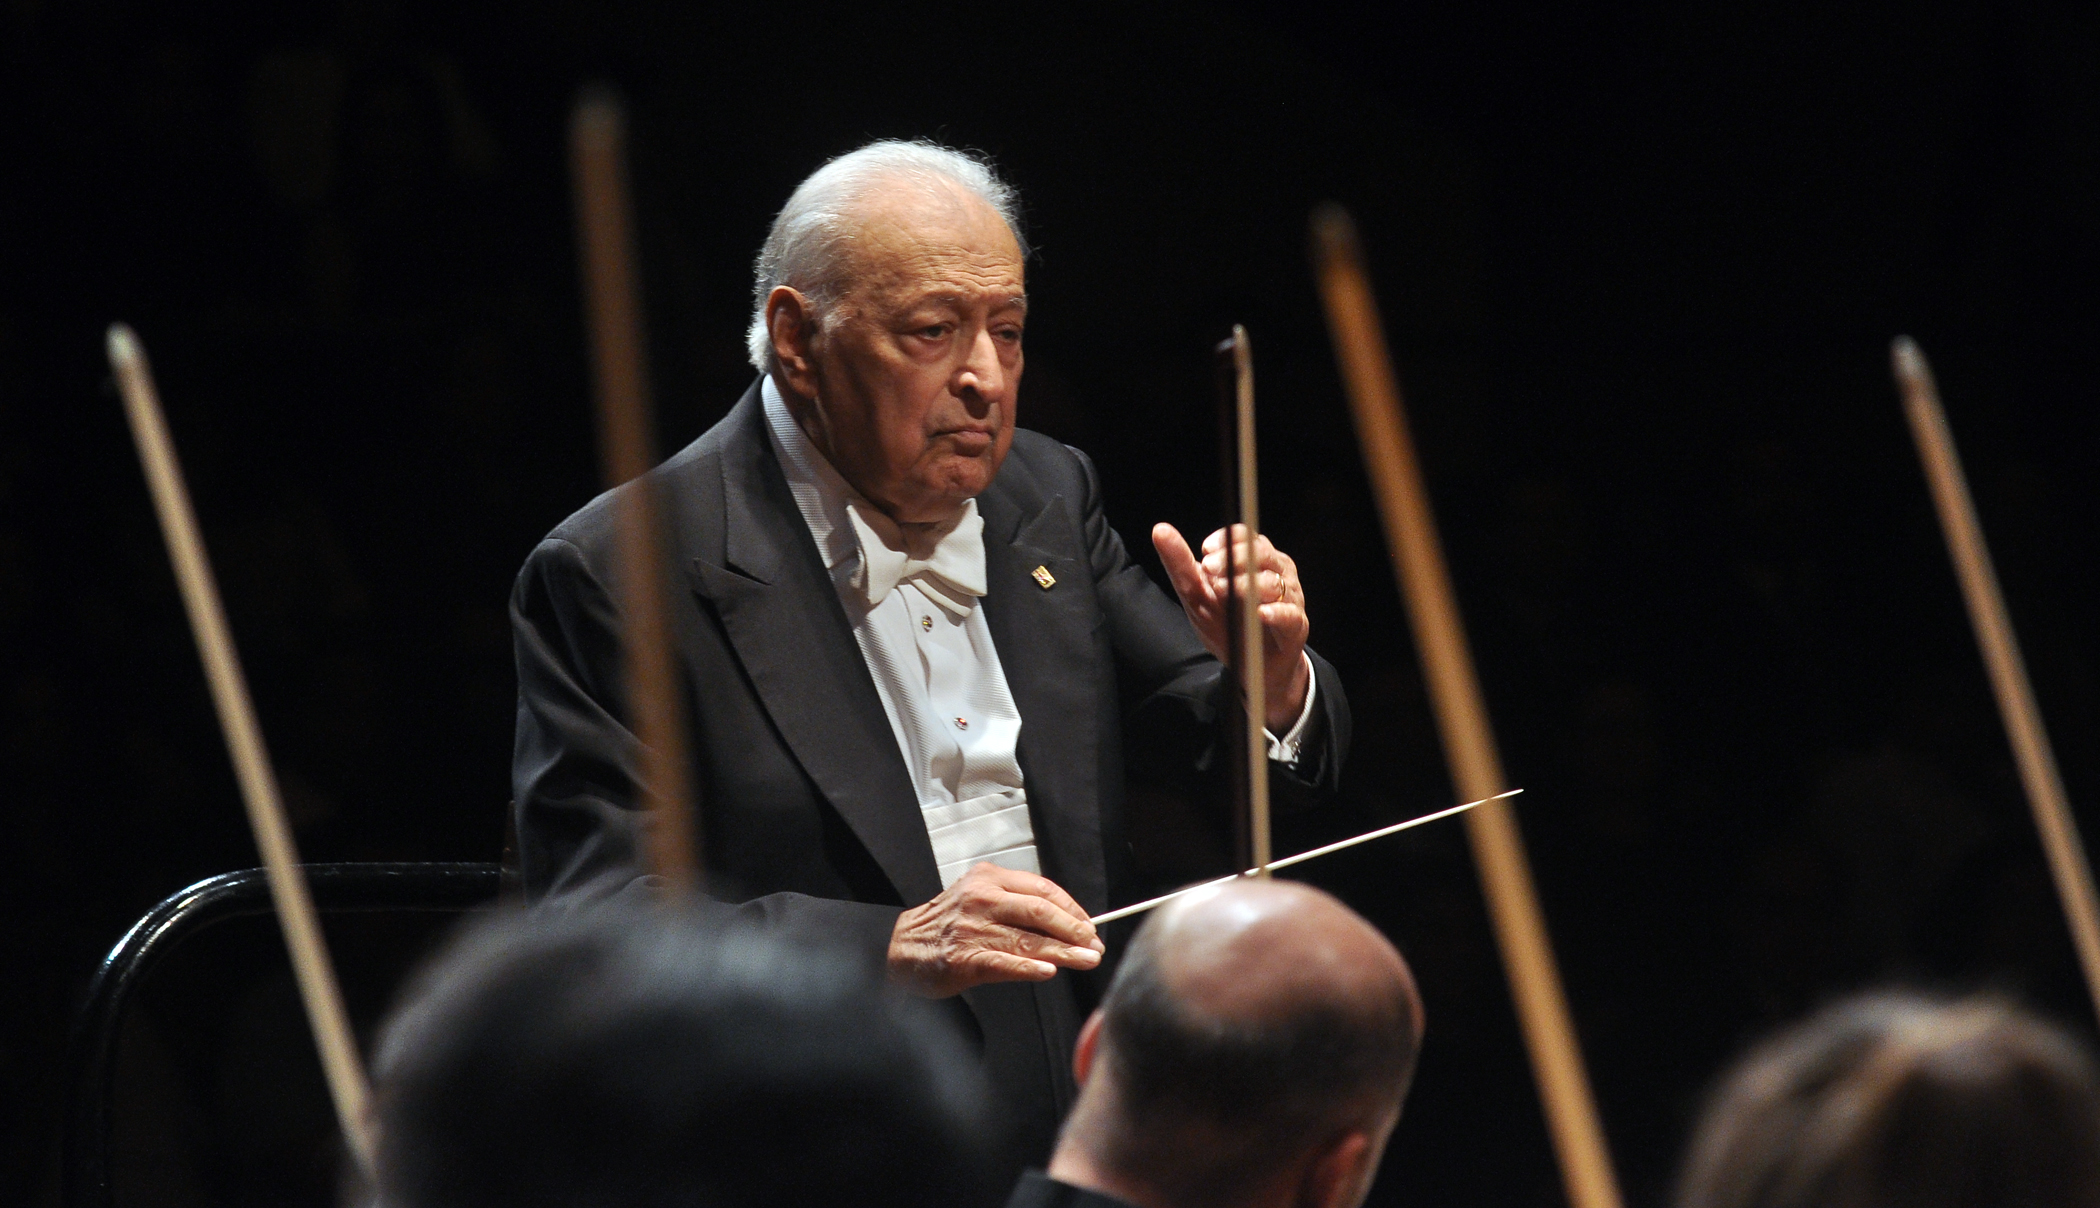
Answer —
(1285, 749)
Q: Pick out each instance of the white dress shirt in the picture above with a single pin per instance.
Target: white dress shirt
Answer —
(914, 610)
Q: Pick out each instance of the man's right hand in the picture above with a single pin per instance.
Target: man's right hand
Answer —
(992, 925)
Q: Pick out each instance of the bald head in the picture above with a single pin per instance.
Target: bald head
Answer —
(1255, 952)
(1258, 1034)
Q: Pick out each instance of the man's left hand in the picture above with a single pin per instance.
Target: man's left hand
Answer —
(1201, 586)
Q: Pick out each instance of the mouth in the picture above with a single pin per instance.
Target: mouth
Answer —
(970, 442)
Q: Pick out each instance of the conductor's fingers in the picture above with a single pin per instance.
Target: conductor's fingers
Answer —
(1182, 569)
(1283, 612)
(1042, 887)
(1043, 948)
(1030, 913)
(1284, 626)
(1262, 554)
(1272, 586)
(991, 965)
(1275, 559)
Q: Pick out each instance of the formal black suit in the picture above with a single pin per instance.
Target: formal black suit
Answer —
(809, 816)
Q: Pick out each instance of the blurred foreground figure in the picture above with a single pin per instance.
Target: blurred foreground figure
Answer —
(1253, 1050)
(641, 1059)
(1894, 1101)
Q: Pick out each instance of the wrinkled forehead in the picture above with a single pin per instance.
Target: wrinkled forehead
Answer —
(911, 238)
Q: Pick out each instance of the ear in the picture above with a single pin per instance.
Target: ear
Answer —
(792, 324)
(1083, 1052)
(1340, 1175)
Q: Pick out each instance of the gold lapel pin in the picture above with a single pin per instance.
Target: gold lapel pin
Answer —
(1043, 578)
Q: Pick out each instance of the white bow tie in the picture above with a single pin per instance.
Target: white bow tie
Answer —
(951, 572)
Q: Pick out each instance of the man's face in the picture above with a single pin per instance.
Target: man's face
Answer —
(911, 387)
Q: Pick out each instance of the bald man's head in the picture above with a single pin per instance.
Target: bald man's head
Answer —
(1251, 1026)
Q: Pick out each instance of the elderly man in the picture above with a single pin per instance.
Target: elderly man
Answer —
(910, 641)
(1253, 1052)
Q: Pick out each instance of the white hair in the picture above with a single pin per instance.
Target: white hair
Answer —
(805, 249)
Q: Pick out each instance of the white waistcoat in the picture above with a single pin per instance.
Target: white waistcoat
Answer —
(930, 653)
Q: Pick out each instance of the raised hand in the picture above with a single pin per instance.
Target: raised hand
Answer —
(1201, 585)
(992, 925)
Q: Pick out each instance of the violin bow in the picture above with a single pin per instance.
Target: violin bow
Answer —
(626, 438)
(1243, 631)
(2068, 865)
(1461, 712)
(311, 967)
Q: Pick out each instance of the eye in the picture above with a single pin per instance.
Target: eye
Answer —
(933, 332)
(1011, 335)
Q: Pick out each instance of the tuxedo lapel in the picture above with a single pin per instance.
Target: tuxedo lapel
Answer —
(1045, 626)
(782, 616)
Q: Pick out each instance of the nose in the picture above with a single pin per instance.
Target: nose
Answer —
(981, 378)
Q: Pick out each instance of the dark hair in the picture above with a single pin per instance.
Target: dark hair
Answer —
(1889, 1100)
(649, 1059)
(1214, 1104)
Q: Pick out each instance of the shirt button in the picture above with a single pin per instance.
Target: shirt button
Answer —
(962, 723)
(926, 623)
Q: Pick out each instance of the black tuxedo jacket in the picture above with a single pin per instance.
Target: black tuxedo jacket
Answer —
(808, 814)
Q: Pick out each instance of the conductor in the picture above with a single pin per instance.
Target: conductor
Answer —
(912, 647)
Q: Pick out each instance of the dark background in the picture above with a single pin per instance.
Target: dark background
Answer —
(1640, 265)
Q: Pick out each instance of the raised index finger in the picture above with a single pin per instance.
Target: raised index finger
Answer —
(1189, 581)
